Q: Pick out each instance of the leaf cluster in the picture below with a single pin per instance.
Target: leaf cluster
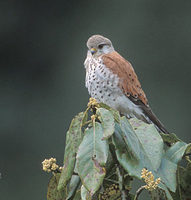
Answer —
(105, 152)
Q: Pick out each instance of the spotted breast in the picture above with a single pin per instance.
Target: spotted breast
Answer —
(104, 86)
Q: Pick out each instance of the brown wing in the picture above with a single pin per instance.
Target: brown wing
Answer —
(129, 82)
(130, 85)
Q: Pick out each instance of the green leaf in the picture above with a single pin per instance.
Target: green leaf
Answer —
(184, 183)
(175, 152)
(124, 155)
(130, 137)
(73, 186)
(144, 141)
(73, 139)
(91, 158)
(168, 168)
(188, 149)
(170, 138)
(53, 193)
(167, 173)
(85, 195)
(115, 113)
(186, 178)
(167, 193)
(85, 117)
(107, 122)
(143, 148)
(150, 141)
(77, 195)
(69, 163)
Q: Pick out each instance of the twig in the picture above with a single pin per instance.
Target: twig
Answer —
(123, 195)
(187, 154)
(138, 192)
(111, 175)
(120, 174)
(113, 181)
(87, 122)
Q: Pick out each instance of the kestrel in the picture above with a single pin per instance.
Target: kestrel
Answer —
(111, 79)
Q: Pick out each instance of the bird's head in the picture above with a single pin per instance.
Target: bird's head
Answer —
(99, 45)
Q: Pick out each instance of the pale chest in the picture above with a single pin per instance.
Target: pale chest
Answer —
(102, 84)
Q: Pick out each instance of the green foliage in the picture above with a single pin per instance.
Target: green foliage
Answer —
(84, 193)
(107, 121)
(110, 150)
(151, 143)
(53, 193)
(91, 158)
(73, 139)
(72, 187)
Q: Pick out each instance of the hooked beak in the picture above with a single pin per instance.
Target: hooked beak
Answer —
(93, 50)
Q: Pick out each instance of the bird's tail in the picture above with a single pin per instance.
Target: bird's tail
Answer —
(151, 118)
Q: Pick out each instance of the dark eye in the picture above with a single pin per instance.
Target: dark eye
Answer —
(100, 46)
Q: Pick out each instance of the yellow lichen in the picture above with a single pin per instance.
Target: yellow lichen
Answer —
(93, 103)
(148, 177)
(93, 117)
(112, 192)
(49, 165)
(60, 168)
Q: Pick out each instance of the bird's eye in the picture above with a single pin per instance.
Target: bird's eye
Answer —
(100, 46)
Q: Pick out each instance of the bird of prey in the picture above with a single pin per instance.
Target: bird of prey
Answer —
(111, 79)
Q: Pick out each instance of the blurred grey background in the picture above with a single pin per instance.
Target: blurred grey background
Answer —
(42, 50)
